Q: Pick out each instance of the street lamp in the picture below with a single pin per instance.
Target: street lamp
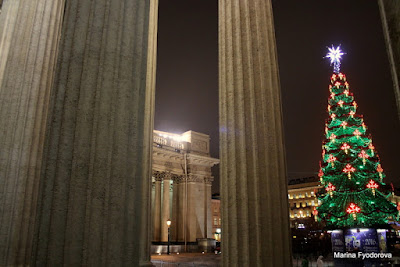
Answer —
(169, 224)
(218, 232)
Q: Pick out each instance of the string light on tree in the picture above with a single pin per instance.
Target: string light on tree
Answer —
(379, 170)
(349, 169)
(348, 183)
(357, 133)
(364, 156)
(372, 185)
(320, 174)
(353, 209)
(332, 137)
(330, 188)
(315, 213)
(345, 147)
(371, 147)
(331, 160)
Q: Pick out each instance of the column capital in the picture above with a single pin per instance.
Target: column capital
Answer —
(176, 178)
(194, 178)
(158, 176)
(208, 180)
(167, 175)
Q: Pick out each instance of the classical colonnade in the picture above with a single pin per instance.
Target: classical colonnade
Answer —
(76, 113)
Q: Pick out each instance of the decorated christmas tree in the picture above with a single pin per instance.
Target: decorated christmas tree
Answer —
(351, 173)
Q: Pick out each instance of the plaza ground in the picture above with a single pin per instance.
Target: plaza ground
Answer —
(206, 259)
(186, 260)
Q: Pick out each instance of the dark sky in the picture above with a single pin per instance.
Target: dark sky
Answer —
(187, 74)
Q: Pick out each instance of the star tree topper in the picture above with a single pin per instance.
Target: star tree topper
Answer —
(335, 55)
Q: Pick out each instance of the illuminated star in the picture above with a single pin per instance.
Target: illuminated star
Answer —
(335, 55)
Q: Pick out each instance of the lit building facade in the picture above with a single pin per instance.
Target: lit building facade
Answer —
(302, 194)
(181, 186)
(216, 217)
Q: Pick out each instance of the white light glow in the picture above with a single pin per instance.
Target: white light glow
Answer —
(359, 230)
(335, 55)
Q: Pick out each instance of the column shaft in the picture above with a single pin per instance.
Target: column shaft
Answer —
(8, 19)
(165, 210)
(29, 40)
(175, 208)
(255, 218)
(390, 16)
(195, 212)
(94, 207)
(181, 211)
(207, 211)
(157, 213)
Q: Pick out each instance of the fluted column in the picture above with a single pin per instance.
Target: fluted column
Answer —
(8, 19)
(207, 208)
(195, 209)
(157, 210)
(181, 210)
(29, 38)
(390, 16)
(175, 207)
(94, 207)
(255, 218)
(165, 213)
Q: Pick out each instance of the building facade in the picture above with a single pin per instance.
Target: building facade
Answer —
(216, 217)
(181, 186)
(302, 195)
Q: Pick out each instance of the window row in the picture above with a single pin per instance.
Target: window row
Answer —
(300, 195)
(217, 221)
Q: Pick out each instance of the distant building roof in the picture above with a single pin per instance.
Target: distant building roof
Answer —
(303, 180)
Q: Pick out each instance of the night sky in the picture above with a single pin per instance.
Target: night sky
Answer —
(187, 75)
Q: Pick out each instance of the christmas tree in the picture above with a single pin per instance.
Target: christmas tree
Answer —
(351, 173)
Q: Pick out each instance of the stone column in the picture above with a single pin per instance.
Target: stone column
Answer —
(181, 209)
(175, 207)
(157, 209)
(8, 19)
(390, 15)
(207, 208)
(94, 207)
(29, 39)
(255, 217)
(195, 210)
(165, 213)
